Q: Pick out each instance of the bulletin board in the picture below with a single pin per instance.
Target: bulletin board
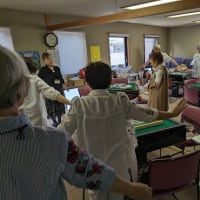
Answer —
(95, 53)
(33, 55)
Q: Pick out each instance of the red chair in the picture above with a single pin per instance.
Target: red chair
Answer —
(191, 96)
(82, 73)
(84, 90)
(191, 115)
(120, 80)
(170, 175)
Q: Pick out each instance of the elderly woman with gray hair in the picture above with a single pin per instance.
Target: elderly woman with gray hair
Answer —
(196, 64)
(35, 160)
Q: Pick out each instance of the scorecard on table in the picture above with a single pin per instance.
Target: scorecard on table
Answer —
(142, 125)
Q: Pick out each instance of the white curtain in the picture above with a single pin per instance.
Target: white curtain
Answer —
(72, 51)
(6, 38)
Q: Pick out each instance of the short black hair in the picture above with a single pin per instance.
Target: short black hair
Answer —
(45, 55)
(98, 75)
(157, 57)
(30, 64)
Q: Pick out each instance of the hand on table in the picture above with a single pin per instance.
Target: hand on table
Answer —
(180, 106)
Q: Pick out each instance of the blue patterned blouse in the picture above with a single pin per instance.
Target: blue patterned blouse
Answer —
(34, 161)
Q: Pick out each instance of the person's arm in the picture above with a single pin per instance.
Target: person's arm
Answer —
(134, 190)
(61, 99)
(49, 92)
(167, 58)
(173, 62)
(84, 171)
(69, 122)
(179, 107)
(159, 76)
(141, 67)
(133, 111)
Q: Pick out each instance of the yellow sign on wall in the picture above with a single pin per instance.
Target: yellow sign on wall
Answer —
(95, 53)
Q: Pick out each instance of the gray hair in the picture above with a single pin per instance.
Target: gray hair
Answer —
(13, 77)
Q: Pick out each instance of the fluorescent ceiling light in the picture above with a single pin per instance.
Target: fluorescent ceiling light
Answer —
(150, 4)
(197, 21)
(184, 14)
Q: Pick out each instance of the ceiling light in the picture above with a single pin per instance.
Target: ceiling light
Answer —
(197, 21)
(149, 4)
(184, 14)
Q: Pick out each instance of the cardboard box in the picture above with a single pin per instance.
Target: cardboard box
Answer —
(77, 82)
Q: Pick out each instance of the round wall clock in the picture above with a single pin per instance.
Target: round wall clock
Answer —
(51, 39)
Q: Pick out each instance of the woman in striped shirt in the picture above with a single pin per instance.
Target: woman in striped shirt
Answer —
(34, 160)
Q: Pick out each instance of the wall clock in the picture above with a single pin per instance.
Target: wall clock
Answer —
(51, 39)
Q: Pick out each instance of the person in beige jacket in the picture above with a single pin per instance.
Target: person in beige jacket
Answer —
(158, 88)
(98, 123)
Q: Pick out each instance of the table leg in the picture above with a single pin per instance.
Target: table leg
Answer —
(141, 156)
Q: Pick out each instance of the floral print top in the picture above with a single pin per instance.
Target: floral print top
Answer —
(35, 160)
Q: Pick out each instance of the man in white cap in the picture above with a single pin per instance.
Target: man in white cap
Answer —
(166, 57)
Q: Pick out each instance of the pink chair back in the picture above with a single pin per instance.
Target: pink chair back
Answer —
(120, 80)
(191, 96)
(192, 112)
(172, 173)
(190, 81)
(84, 90)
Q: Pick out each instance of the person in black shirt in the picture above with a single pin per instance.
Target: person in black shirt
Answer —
(52, 76)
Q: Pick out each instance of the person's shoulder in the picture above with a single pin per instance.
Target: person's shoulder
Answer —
(122, 96)
(50, 134)
(57, 68)
(161, 68)
(42, 69)
(76, 101)
(164, 54)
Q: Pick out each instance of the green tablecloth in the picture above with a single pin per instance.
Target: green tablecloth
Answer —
(166, 124)
(117, 87)
(195, 86)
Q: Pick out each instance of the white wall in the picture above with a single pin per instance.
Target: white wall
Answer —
(183, 41)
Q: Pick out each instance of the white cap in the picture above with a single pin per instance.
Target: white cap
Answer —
(157, 46)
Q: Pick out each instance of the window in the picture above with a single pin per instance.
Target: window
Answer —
(72, 51)
(118, 51)
(149, 42)
(6, 38)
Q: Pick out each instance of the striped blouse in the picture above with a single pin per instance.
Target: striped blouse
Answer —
(34, 162)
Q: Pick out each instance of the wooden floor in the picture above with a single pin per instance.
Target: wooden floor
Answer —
(188, 194)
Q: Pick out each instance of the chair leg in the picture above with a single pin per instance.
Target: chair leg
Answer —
(83, 194)
(175, 197)
(160, 153)
(197, 188)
